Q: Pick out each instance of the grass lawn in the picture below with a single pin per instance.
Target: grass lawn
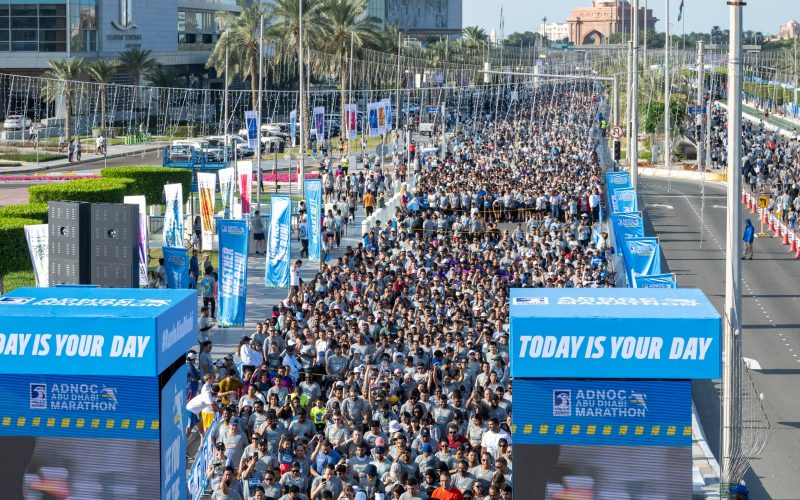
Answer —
(31, 157)
(12, 281)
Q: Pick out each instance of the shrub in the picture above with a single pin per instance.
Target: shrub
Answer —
(13, 245)
(31, 157)
(90, 190)
(37, 211)
(150, 181)
(181, 131)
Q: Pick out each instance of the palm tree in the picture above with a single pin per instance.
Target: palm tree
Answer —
(241, 37)
(474, 37)
(345, 20)
(287, 29)
(102, 71)
(136, 62)
(63, 75)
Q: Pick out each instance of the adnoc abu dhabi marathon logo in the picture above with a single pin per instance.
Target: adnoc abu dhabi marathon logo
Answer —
(562, 403)
(610, 403)
(73, 397)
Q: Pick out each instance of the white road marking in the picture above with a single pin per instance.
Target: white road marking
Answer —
(662, 206)
(751, 363)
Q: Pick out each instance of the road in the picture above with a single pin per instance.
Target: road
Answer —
(770, 310)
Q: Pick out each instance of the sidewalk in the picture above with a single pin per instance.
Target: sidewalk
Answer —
(86, 157)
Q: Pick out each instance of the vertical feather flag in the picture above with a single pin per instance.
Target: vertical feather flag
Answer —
(680, 11)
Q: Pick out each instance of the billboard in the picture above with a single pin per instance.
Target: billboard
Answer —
(603, 412)
(95, 331)
(424, 14)
(603, 438)
(557, 472)
(173, 437)
(616, 332)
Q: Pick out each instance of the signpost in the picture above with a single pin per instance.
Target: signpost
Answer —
(763, 203)
(697, 110)
(616, 131)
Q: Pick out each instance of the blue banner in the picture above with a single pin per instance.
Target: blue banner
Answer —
(626, 225)
(251, 122)
(654, 281)
(80, 406)
(173, 436)
(95, 331)
(233, 239)
(603, 412)
(617, 332)
(641, 256)
(614, 181)
(279, 242)
(176, 264)
(627, 200)
(314, 205)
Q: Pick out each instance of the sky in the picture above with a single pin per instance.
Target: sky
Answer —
(526, 15)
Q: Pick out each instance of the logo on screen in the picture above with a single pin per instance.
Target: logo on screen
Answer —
(109, 394)
(38, 397)
(562, 403)
(530, 301)
(638, 400)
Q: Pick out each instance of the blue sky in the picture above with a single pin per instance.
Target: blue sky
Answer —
(526, 15)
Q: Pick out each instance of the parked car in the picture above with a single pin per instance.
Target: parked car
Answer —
(243, 148)
(212, 152)
(17, 122)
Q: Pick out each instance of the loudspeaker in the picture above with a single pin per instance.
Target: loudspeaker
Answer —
(114, 245)
(68, 255)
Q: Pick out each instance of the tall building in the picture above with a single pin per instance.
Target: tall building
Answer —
(554, 32)
(789, 30)
(179, 32)
(419, 17)
(593, 25)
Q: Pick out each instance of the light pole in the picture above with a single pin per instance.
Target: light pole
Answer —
(700, 103)
(300, 104)
(260, 90)
(635, 98)
(667, 97)
(732, 322)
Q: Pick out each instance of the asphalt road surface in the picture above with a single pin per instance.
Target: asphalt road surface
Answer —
(676, 213)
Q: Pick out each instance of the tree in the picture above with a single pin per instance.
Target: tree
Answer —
(525, 39)
(135, 63)
(474, 37)
(102, 71)
(241, 38)
(287, 29)
(716, 34)
(346, 20)
(64, 75)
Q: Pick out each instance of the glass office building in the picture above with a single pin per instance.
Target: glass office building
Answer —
(178, 32)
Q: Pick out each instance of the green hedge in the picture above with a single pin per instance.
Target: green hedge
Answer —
(181, 131)
(150, 181)
(91, 190)
(13, 245)
(36, 211)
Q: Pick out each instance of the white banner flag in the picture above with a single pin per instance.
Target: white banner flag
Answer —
(206, 186)
(144, 240)
(244, 178)
(226, 190)
(173, 216)
(38, 247)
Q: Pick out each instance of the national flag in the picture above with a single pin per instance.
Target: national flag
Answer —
(680, 11)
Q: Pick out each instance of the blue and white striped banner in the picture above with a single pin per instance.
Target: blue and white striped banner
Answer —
(279, 242)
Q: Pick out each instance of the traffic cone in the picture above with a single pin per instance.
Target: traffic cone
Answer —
(785, 236)
(763, 215)
(777, 228)
(744, 196)
(771, 223)
(753, 205)
(793, 243)
(797, 253)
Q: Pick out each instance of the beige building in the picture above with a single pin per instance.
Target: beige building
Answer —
(593, 25)
(789, 30)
